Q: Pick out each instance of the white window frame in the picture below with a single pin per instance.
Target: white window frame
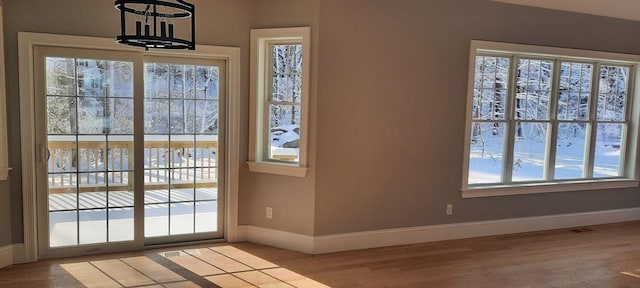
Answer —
(261, 39)
(4, 161)
(628, 179)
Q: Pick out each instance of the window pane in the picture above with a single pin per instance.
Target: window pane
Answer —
(88, 200)
(206, 212)
(179, 80)
(156, 220)
(287, 88)
(182, 194)
(178, 117)
(612, 93)
(489, 104)
(486, 152)
(287, 59)
(529, 151)
(120, 148)
(63, 228)
(93, 226)
(207, 82)
(574, 91)
(533, 89)
(206, 117)
(156, 116)
(91, 118)
(159, 195)
(121, 226)
(91, 77)
(120, 198)
(120, 79)
(491, 83)
(182, 218)
(61, 115)
(119, 116)
(156, 80)
(61, 78)
(284, 129)
(608, 150)
(570, 150)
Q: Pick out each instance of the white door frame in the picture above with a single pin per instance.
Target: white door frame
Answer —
(29, 152)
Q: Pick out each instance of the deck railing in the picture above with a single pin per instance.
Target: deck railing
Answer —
(93, 165)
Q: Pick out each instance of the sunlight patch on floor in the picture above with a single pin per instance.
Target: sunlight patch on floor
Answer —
(631, 274)
(220, 266)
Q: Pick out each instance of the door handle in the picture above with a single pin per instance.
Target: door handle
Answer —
(45, 154)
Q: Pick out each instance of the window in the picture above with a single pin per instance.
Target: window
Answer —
(279, 97)
(4, 161)
(546, 119)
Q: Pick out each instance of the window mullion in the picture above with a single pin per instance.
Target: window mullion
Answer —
(509, 114)
(592, 130)
(268, 98)
(552, 135)
(628, 167)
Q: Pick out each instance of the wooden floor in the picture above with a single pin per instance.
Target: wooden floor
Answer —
(595, 256)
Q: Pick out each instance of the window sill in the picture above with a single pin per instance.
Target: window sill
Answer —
(278, 169)
(548, 187)
(4, 173)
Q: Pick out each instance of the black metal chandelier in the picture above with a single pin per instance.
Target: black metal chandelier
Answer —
(156, 23)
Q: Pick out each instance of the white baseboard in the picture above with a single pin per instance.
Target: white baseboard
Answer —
(6, 256)
(18, 253)
(412, 235)
(11, 254)
(276, 238)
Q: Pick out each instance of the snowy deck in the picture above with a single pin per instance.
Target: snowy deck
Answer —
(96, 222)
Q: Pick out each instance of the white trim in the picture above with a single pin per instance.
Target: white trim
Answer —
(260, 38)
(277, 238)
(278, 169)
(6, 256)
(422, 234)
(28, 147)
(547, 187)
(26, 43)
(4, 160)
(553, 52)
(11, 254)
(18, 253)
(233, 144)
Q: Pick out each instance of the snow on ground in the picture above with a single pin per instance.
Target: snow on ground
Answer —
(485, 161)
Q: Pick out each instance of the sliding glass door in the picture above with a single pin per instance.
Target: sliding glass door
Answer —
(129, 150)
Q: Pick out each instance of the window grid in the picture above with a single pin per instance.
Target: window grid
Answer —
(554, 119)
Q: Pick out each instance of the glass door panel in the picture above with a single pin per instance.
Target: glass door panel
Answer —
(89, 107)
(181, 150)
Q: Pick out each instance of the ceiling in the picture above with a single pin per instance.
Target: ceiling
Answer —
(624, 9)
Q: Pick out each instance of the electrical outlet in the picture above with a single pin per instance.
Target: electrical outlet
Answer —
(269, 213)
(449, 209)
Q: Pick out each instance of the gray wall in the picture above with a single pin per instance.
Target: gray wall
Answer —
(292, 198)
(387, 105)
(391, 109)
